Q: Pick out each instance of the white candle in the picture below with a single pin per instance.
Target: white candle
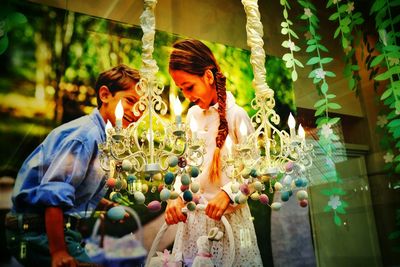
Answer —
(228, 143)
(301, 133)
(194, 127)
(178, 111)
(243, 129)
(292, 125)
(108, 129)
(119, 113)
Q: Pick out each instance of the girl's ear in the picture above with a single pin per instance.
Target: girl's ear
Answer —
(104, 94)
(209, 76)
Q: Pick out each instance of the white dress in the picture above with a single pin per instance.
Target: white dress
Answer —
(238, 216)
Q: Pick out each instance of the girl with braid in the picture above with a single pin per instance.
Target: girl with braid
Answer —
(196, 72)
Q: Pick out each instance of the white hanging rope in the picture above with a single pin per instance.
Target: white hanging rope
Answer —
(148, 22)
(254, 30)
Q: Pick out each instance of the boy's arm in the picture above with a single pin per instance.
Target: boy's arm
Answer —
(54, 219)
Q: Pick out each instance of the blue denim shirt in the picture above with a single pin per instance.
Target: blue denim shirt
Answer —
(64, 170)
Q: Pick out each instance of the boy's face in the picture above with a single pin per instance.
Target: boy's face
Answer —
(128, 99)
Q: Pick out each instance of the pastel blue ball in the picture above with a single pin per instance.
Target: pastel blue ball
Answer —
(285, 196)
(116, 213)
(194, 171)
(131, 178)
(165, 194)
(305, 182)
(253, 173)
(187, 196)
(173, 161)
(185, 179)
(298, 182)
(169, 178)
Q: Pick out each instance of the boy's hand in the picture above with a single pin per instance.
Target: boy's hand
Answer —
(61, 258)
(173, 212)
(217, 206)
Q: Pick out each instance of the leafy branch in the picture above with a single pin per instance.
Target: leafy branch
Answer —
(326, 103)
(289, 58)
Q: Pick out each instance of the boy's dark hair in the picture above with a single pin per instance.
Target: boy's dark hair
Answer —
(119, 78)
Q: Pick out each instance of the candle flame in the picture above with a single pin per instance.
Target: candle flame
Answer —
(119, 111)
(243, 129)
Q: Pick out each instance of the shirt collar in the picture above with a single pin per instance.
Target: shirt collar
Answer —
(99, 121)
(230, 101)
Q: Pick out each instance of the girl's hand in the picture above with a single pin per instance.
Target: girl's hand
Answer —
(173, 212)
(217, 206)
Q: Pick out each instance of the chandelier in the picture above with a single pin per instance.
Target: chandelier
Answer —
(153, 152)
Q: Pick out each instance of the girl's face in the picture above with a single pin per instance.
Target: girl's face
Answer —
(198, 89)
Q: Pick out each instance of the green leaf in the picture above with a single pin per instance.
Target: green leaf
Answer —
(285, 14)
(394, 123)
(337, 220)
(383, 76)
(294, 75)
(378, 4)
(352, 83)
(340, 210)
(338, 191)
(15, 19)
(326, 60)
(298, 63)
(345, 43)
(334, 16)
(397, 169)
(333, 121)
(313, 60)
(330, 74)
(287, 57)
(3, 44)
(326, 192)
(284, 24)
(327, 208)
(336, 33)
(311, 48)
(330, 96)
(386, 94)
(320, 110)
(377, 60)
(284, 31)
(332, 105)
(323, 48)
(394, 235)
(320, 103)
(342, 8)
(324, 88)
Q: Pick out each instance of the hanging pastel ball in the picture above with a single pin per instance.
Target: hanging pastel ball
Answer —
(245, 172)
(118, 184)
(298, 182)
(182, 162)
(305, 182)
(169, 178)
(154, 206)
(124, 184)
(157, 176)
(278, 186)
(160, 187)
(116, 213)
(237, 198)
(287, 180)
(173, 161)
(111, 182)
(145, 188)
(194, 171)
(264, 199)
(196, 199)
(276, 206)
(265, 178)
(184, 188)
(191, 206)
(235, 187)
(302, 194)
(255, 196)
(290, 193)
(244, 188)
(242, 198)
(258, 186)
(187, 196)
(303, 203)
(131, 178)
(174, 195)
(289, 166)
(194, 187)
(165, 194)
(253, 173)
(285, 196)
(185, 179)
(126, 165)
(139, 197)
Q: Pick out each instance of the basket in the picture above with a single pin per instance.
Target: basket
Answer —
(188, 262)
(116, 252)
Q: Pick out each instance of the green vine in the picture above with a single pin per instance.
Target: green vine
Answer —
(291, 61)
(347, 22)
(8, 22)
(327, 137)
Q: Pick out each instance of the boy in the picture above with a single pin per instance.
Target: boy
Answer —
(62, 181)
